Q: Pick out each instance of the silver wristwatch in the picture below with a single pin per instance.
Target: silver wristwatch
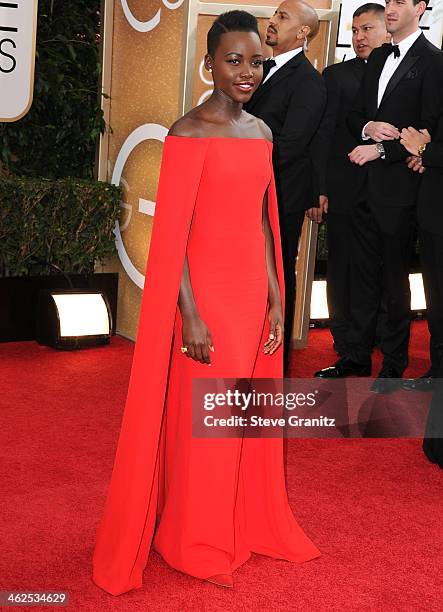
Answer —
(380, 148)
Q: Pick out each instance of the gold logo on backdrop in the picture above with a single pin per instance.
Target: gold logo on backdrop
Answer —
(147, 26)
(148, 131)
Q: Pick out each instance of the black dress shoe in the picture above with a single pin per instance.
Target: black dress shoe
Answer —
(344, 367)
(387, 381)
(424, 383)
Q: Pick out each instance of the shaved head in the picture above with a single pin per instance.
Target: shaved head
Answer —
(293, 23)
(308, 16)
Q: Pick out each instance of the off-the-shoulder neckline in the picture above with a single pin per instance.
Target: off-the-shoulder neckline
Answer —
(216, 138)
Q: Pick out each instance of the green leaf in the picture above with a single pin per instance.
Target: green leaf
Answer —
(68, 222)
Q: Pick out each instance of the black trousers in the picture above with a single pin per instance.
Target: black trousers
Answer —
(431, 255)
(433, 440)
(381, 248)
(339, 241)
(290, 229)
(339, 235)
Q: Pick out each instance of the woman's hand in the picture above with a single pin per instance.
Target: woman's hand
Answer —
(415, 163)
(196, 339)
(412, 139)
(275, 338)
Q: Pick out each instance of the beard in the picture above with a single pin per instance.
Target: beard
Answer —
(271, 42)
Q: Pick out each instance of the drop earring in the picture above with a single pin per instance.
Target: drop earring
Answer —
(305, 44)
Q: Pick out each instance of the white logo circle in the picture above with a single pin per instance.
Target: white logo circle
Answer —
(147, 26)
(148, 131)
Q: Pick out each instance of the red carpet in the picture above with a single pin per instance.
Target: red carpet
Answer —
(373, 507)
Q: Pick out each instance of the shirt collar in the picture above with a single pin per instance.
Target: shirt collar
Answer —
(405, 44)
(283, 58)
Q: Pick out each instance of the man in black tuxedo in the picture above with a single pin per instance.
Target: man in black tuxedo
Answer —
(400, 88)
(291, 100)
(428, 157)
(340, 180)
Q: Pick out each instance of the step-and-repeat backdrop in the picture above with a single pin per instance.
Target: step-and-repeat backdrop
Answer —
(153, 73)
(431, 23)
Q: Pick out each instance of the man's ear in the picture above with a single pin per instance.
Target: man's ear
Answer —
(304, 32)
(422, 8)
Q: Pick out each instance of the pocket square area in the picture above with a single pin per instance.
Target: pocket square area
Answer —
(411, 74)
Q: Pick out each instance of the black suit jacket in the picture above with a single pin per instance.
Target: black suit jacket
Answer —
(430, 198)
(292, 102)
(413, 97)
(339, 178)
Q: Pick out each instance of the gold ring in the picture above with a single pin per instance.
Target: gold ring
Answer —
(184, 349)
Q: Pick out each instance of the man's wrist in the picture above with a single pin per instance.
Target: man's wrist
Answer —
(379, 147)
(363, 132)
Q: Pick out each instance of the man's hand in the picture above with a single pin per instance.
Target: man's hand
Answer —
(415, 163)
(363, 154)
(380, 130)
(316, 214)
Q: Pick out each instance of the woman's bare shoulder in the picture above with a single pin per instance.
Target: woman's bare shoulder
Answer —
(257, 127)
(265, 129)
(190, 125)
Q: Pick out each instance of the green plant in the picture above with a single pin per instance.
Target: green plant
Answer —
(67, 222)
(322, 247)
(57, 138)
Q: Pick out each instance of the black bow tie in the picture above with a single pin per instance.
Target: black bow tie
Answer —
(388, 48)
(267, 65)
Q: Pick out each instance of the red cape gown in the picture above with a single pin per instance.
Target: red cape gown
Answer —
(205, 504)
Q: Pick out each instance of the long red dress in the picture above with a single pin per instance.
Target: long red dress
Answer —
(204, 504)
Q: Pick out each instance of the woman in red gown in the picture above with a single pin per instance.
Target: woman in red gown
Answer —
(213, 296)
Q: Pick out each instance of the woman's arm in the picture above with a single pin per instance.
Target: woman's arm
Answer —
(274, 298)
(433, 155)
(195, 335)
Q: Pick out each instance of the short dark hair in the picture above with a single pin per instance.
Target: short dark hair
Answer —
(370, 7)
(232, 21)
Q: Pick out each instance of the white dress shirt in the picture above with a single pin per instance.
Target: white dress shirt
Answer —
(281, 60)
(391, 65)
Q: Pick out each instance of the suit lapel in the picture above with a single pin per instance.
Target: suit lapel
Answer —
(410, 58)
(358, 67)
(278, 76)
(405, 65)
